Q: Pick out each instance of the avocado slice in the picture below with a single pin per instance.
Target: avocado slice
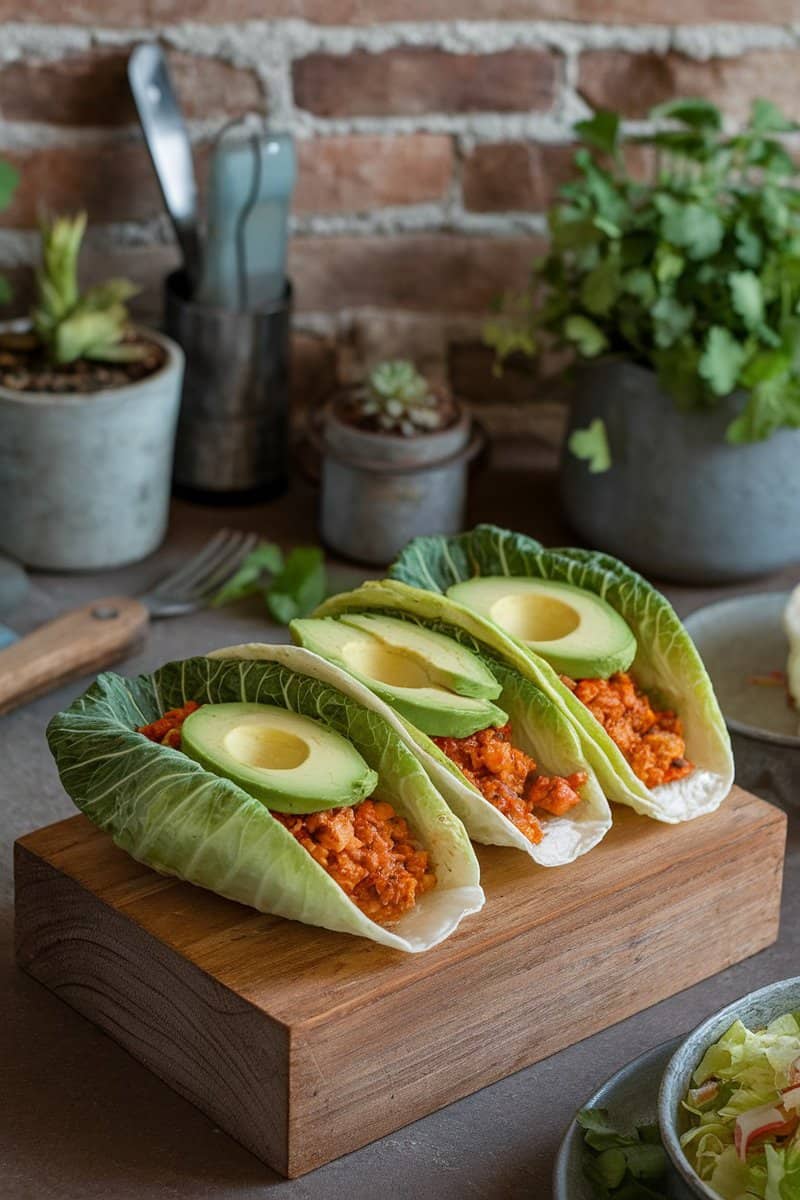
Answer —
(292, 763)
(447, 662)
(576, 631)
(403, 681)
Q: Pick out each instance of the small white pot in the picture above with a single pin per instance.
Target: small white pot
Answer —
(85, 479)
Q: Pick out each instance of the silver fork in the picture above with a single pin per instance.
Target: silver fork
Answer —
(101, 632)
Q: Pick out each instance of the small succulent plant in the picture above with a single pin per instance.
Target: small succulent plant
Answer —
(399, 400)
(67, 324)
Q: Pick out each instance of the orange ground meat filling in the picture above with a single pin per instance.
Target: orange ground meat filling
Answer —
(167, 729)
(507, 778)
(370, 853)
(651, 741)
(368, 849)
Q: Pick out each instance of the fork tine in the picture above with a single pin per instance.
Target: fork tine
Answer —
(211, 582)
(176, 583)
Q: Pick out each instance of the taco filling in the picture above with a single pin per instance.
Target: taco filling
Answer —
(650, 739)
(367, 849)
(507, 777)
(370, 852)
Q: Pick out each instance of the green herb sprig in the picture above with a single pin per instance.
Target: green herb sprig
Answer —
(9, 178)
(622, 1166)
(694, 272)
(291, 587)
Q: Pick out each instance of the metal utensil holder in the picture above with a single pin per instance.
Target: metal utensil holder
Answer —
(233, 430)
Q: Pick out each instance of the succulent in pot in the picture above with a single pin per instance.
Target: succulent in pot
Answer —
(395, 453)
(679, 295)
(88, 410)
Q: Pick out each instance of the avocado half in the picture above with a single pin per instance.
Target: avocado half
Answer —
(292, 763)
(577, 632)
(408, 675)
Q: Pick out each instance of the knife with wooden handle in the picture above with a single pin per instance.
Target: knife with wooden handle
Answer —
(86, 639)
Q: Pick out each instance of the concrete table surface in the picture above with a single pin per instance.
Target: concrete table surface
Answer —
(81, 1120)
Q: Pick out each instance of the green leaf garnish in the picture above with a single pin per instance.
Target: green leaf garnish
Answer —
(587, 336)
(291, 588)
(300, 587)
(591, 444)
(601, 131)
(722, 360)
(621, 1165)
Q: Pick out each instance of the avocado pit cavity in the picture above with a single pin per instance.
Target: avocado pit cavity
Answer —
(534, 617)
(257, 745)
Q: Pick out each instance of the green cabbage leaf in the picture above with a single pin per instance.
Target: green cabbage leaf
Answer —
(167, 811)
(540, 725)
(667, 664)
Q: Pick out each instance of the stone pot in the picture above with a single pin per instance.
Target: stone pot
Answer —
(85, 479)
(679, 502)
(379, 490)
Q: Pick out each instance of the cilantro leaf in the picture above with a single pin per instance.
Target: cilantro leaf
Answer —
(600, 131)
(585, 335)
(766, 117)
(721, 360)
(592, 445)
(9, 178)
(697, 229)
(749, 245)
(266, 558)
(694, 112)
(621, 1166)
(771, 405)
(670, 320)
(747, 297)
(601, 287)
(291, 588)
(300, 587)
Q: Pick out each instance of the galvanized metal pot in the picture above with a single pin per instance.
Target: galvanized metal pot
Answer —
(679, 502)
(379, 490)
(85, 479)
(233, 429)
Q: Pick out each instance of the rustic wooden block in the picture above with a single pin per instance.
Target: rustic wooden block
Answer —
(305, 1044)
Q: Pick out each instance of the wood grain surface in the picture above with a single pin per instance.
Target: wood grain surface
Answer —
(305, 1044)
(86, 639)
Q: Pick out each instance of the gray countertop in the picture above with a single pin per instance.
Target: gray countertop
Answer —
(81, 1120)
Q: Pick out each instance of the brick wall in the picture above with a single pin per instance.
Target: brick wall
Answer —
(431, 138)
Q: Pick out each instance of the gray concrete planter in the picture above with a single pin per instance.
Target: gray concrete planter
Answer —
(679, 502)
(85, 480)
(380, 490)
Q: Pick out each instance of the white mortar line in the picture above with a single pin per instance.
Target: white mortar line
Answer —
(261, 44)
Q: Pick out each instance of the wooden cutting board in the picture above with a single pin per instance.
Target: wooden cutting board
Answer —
(305, 1044)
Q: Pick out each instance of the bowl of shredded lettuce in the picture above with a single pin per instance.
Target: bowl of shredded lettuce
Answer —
(729, 1103)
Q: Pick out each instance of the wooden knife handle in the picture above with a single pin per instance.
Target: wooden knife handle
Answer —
(85, 639)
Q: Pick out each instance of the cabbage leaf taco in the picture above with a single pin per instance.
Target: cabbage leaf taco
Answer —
(498, 748)
(270, 782)
(606, 647)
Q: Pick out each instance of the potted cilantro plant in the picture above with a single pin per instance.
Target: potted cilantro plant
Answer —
(88, 410)
(680, 297)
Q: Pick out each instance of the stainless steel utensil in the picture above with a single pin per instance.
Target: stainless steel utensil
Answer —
(169, 147)
(101, 632)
